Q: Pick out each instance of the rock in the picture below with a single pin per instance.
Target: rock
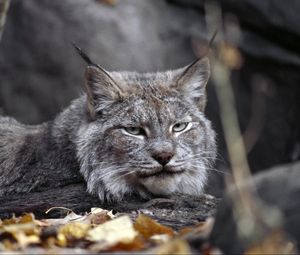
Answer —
(39, 69)
(279, 188)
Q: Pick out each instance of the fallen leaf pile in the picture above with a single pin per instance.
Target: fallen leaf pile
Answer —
(103, 231)
(97, 231)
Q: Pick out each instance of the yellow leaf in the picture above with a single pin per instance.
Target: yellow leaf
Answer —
(29, 228)
(119, 230)
(28, 217)
(61, 240)
(74, 230)
(176, 246)
(12, 220)
(25, 240)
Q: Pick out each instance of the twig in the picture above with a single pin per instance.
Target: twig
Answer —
(4, 5)
(254, 219)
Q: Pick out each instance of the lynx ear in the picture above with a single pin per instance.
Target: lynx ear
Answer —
(193, 79)
(102, 90)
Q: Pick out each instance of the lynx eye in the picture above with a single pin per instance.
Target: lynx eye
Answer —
(179, 127)
(134, 130)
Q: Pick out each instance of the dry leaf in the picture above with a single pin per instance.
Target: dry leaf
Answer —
(275, 243)
(28, 217)
(25, 240)
(12, 220)
(71, 217)
(136, 245)
(22, 229)
(74, 230)
(98, 229)
(160, 239)
(204, 228)
(61, 240)
(148, 227)
(98, 216)
(42, 223)
(8, 245)
(95, 210)
(176, 246)
(119, 230)
(29, 228)
(51, 242)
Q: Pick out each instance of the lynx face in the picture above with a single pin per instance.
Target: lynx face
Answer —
(148, 134)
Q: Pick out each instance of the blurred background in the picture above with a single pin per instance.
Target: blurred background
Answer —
(40, 73)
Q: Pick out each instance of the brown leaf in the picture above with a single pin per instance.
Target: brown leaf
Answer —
(148, 227)
(12, 220)
(98, 216)
(28, 217)
(203, 228)
(136, 245)
(275, 243)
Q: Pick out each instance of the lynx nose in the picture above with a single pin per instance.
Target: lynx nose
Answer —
(162, 158)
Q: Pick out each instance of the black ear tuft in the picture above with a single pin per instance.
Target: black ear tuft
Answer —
(84, 56)
(87, 59)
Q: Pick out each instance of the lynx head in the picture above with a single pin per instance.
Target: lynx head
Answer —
(147, 133)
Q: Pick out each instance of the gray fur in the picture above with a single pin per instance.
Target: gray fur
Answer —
(89, 137)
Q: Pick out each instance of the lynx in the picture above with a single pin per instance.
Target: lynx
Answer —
(129, 133)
